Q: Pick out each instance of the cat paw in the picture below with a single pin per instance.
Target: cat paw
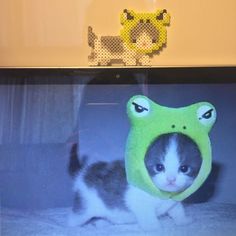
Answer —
(184, 221)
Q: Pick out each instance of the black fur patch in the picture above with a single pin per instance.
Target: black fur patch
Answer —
(109, 179)
(114, 44)
(74, 164)
(189, 154)
(78, 204)
(156, 153)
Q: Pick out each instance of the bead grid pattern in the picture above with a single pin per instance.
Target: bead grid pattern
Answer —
(141, 37)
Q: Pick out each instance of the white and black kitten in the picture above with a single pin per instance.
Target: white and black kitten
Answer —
(101, 189)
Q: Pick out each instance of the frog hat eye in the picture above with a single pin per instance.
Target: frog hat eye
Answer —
(206, 114)
(140, 107)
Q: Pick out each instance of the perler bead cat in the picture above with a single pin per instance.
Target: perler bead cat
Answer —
(142, 36)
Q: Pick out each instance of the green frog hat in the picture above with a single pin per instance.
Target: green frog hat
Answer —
(150, 120)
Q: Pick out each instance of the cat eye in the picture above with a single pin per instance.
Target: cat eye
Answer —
(159, 168)
(184, 169)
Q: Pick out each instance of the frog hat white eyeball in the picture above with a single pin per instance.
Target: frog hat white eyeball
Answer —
(206, 114)
(140, 107)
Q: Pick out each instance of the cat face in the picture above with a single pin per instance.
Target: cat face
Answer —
(144, 32)
(173, 162)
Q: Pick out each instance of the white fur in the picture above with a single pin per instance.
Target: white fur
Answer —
(147, 208)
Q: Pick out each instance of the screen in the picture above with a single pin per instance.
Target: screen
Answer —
(54, 120)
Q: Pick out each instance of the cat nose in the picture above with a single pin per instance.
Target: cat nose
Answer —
(171, 179)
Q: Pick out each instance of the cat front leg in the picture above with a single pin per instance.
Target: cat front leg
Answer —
(121, 217)
(142, 205)
(148, 221)
(177, 213)
(145, 60)
(80, 213)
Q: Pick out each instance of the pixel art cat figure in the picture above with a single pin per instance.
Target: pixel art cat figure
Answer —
(142, 36)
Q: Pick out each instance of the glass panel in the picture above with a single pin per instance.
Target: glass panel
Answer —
(50, 120)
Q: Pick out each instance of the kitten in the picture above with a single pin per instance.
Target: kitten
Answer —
(101, 189)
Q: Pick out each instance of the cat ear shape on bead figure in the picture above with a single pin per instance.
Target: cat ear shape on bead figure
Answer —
(150, 120)
(144, 32)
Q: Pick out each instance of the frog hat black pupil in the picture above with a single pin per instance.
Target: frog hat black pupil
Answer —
(207, 115)
(139, 108)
